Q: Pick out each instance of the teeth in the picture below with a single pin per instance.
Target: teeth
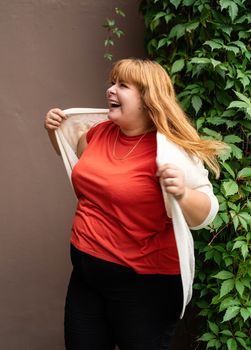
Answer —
(115, 104)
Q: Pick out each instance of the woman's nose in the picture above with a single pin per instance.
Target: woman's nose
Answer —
(111, 90)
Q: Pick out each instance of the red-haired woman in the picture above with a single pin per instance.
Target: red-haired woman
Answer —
(141, 184)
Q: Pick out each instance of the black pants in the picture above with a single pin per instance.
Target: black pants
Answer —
(109, 304)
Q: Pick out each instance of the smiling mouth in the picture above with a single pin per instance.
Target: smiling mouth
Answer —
(114, 104)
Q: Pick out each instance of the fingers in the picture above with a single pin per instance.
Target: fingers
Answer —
(54, 118)
(169, 171)
(170, 182)
(168, 167)
(172, 179)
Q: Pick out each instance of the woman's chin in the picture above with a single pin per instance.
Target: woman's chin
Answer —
(112, 116)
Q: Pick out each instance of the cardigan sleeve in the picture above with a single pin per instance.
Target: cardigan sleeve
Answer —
(213, 209)
(196, 175)
(202, 184)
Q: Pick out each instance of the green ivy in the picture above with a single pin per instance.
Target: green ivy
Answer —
(205, 47)
(113, 31)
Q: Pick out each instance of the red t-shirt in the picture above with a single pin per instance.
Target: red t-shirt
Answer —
(120, 216)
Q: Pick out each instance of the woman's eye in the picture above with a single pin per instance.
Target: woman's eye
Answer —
(123, 85)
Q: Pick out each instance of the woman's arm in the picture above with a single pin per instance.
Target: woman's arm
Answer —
(82, 144)
(196, 205)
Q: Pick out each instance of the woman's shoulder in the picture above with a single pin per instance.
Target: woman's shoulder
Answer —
(169, 152)
(98, 128)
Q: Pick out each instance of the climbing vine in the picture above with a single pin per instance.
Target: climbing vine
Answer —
(113, 32)
(205, 47)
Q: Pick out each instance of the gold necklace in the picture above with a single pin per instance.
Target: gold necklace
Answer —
(131, 150)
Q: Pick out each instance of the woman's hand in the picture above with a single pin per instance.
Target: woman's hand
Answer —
(53, 119)
(173, 180)
(194, 204)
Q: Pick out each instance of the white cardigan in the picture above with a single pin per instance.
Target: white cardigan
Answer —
(196, 177)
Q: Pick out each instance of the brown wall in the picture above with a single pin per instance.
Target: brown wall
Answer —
(51, 55)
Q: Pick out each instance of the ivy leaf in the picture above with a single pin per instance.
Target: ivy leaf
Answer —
(177, 66)
(238, 245)
(214, 44)
(231, 344)
(244, 219)
(159, 15)
(200, 60)
(232, 48)
(231, 6)
(236, 222)
(225, 218)
(169, 17)
(109, 42)
(212, 133)
(229, 169)
(162, 42)
(239, 287)
(240, 334)
(227, 333)
(226, 155)
(109, 23)
(215, 62)
(119, 12)
(175, 3)
(216, 120)
(188, 2)
(230, 187)
(248, 111)
(226, 287)
(245, 81)
(236, 151)
(207, 337)
(191, 26)
(108, 56)
(244, 250)
(232, 139)
(243, 98)
(151, 46)
(223, 275)
(199, 122)
(227, 302)
(231, 312)
(242, 342)
(214, 328)
(229, 84)
(246, 216)
(238, 104)
(245, 314)
(177, 31)
(196, 103)
(245, 172)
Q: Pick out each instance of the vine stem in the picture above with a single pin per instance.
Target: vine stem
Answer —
(217, 234)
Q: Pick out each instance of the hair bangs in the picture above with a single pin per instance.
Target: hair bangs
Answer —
(127, 71)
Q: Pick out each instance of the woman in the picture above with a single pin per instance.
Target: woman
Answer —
(131, 249)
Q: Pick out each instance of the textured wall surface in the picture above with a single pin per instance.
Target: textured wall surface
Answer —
(51, 55)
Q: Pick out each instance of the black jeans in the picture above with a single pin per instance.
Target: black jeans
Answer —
(109, 304)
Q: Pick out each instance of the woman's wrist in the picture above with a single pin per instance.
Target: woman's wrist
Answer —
(181, 197)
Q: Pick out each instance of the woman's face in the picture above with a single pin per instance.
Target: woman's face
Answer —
(126, 107)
